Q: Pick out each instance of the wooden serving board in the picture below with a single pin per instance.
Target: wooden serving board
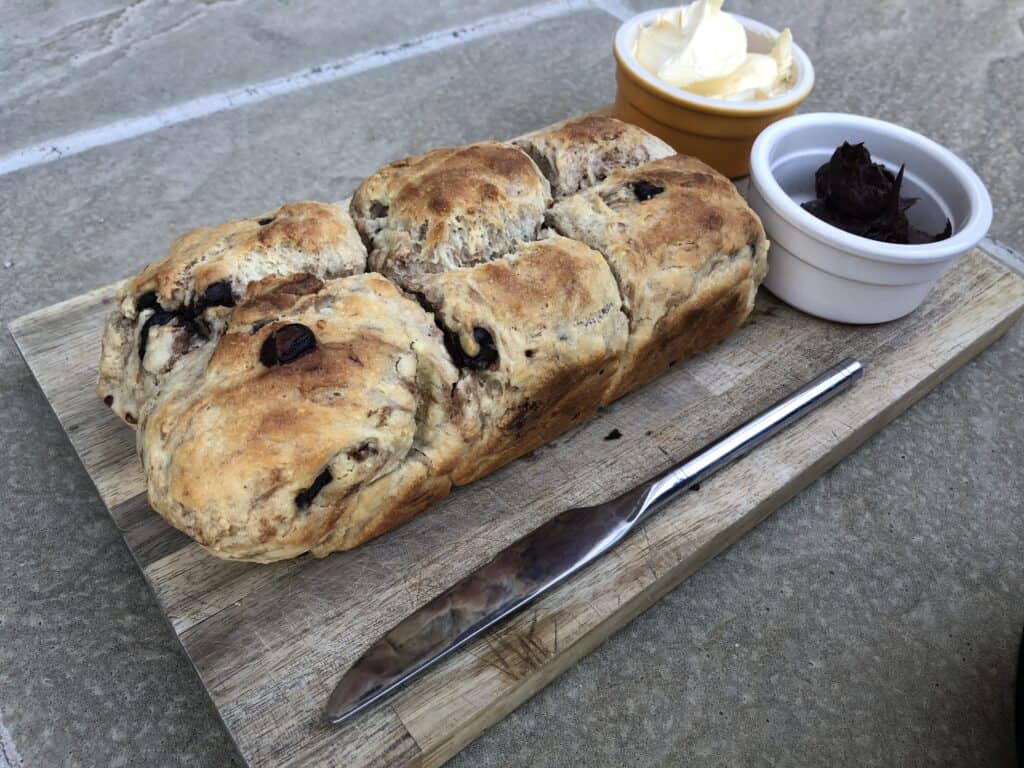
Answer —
(270, 641)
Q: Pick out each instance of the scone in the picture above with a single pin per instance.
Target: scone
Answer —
(687, 253)
(323, 417)
(578, 153)
(537, 335)
(182, 302)
(449, 208)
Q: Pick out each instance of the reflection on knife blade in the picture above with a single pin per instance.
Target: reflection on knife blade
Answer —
(515, 577)
(548, 556)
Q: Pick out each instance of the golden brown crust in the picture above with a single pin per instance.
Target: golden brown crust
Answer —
(230, 455)
(578, 153)
(386, 503)
(320, 413)
(232, 251)
(194, 287)
(688, 258)
(550, 312)
(449, 208)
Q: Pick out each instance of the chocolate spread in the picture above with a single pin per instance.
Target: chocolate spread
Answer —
(863, 198)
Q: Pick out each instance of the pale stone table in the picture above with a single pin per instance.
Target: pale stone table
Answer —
(874, 620)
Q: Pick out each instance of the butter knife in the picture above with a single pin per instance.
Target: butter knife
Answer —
(551, 554)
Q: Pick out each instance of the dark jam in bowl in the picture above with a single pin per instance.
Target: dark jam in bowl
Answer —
(863, 197)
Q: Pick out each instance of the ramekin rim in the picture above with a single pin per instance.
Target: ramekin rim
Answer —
(792, 96)
(970, 233)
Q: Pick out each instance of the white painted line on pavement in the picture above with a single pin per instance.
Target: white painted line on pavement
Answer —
(204, 106)
(9, 757)
(616, 8)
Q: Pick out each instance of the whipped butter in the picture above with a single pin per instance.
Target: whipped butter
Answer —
(701, 49)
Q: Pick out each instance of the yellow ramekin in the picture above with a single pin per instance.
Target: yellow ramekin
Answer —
(718, 131)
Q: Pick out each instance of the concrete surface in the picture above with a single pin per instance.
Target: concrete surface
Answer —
(874, 620)
(71, 65)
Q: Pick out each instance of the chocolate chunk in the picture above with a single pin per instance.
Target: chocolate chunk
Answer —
(645, 190)
(304, 498)
(286, 344)
(261, 324)
(363, 452)
(613, 435)
(302, 284)
(147, 301)
(160, 317)
(108, 401)
(196, 326)
(454, 347)
(485, 358)
(863, 198)
(268, 220)
(216, 295)
(488, 354)
(378, 210)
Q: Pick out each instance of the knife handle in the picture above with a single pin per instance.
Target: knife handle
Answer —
(745, 438)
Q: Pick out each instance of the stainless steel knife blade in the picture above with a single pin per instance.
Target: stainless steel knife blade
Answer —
(549, 555)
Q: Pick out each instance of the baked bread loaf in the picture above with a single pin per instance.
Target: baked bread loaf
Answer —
(325, 411)
(314, 409)
(686, 250)
(449, 208)
(537, 335)
(578, 153)
(182, 302)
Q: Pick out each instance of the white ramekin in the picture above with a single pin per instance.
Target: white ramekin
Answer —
(831, 273)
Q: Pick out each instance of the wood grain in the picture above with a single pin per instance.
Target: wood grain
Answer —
(269, 642)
